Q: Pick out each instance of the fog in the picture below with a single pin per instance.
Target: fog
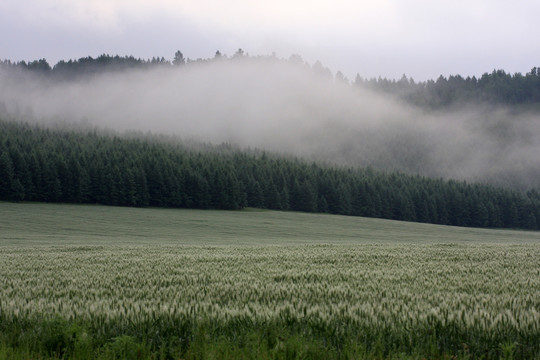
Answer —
(289, 108)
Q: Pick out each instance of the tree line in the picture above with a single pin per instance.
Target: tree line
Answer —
(497, 87)
(91, 166)
(105, 63)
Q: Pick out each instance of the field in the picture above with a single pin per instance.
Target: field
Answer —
(104, 282)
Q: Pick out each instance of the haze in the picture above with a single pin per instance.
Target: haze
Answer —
(420, 38)
(288, 108)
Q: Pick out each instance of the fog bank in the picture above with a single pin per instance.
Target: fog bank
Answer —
(285, 107)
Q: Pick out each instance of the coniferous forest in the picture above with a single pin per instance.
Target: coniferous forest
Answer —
(95, 166)
(92, 166)
(497, 87)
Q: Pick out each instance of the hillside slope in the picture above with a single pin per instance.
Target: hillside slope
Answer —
(46, 165)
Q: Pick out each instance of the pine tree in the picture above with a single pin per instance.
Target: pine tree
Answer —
(7, 175)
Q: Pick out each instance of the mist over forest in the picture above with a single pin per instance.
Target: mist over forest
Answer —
(288, 106)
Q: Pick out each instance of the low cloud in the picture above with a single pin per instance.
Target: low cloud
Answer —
(288, 108)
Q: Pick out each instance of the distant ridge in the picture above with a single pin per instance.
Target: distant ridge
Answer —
(493, 87)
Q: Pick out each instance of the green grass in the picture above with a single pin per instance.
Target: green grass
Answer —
(91, 282)
(40, 224)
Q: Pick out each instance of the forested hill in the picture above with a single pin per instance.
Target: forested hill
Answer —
(38, 164)
(495, 87)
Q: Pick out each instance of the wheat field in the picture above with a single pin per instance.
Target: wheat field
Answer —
(98, 282)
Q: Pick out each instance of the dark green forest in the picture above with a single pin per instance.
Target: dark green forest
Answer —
(94, 166)
(497, 87)
(494, 88)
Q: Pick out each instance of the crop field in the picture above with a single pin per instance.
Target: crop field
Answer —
(90, 282)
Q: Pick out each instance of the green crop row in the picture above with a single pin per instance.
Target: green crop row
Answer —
(366, 299)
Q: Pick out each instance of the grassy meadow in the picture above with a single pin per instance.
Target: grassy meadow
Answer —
(88, 282)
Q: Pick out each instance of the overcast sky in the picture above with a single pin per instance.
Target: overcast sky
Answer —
(420, 38)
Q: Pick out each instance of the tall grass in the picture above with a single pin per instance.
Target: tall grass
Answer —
(276, 297)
